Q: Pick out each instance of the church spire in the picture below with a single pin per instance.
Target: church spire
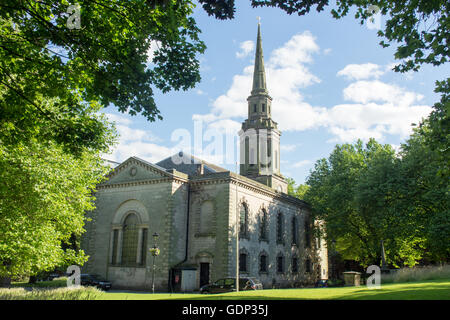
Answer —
(259, 74)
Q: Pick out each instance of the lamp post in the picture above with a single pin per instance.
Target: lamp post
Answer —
(155, 252)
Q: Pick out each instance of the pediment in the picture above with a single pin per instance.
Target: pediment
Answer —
(135, 169)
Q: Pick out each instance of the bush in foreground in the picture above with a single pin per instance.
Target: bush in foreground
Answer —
(417, 274)
(82, 293)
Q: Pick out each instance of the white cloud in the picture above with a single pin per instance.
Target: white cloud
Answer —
(136, 142)
(301, 163)
(288, 147)
(361, 71)
(246, 48)
(369, 91)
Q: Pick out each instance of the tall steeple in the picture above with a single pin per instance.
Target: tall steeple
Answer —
(259, 74)
(260, 137)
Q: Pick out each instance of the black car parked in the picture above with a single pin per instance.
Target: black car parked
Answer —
(95, 281)
(229, 285)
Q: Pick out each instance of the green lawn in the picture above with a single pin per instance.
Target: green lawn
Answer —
(426, 290)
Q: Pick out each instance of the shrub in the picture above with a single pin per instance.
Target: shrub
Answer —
(82, 293)
(417, 274)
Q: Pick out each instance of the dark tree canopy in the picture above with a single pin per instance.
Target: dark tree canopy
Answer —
(102, 60)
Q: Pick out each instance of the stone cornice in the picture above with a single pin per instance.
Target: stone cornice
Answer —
(241, 181)
(139, 183)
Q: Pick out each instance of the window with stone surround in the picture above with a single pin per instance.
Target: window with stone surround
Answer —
(263, 263)
(308, 265)
(307, 234)
(243, 262)
(130, 240)
(294, 231)
(263, 226)
(294, 264)
(280, 222)
(128, 246)
(243, 221)
(280, 263)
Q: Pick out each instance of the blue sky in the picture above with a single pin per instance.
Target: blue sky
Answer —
(330, 82)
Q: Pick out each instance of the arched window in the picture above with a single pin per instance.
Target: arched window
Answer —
(243, 221)
(128, 243)
(243, 262)
(276, 159)
(263, 262)
(307, 234)
(280, 228)
(130, 240)
(308, 265)
(263, 227)
(294, 231)
(247, 150)
(294, 264)
(280, 263)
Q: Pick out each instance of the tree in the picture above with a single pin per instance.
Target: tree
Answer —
(44, 194)
(296, 191)
(355, 192)
(102, 60)
(55, 76)
(426, 191)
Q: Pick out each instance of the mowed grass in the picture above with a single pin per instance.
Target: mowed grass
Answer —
(425, 290)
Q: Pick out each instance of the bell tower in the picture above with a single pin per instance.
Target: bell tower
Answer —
(259, 136)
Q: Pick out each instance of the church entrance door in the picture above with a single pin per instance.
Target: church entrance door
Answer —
(204, 273)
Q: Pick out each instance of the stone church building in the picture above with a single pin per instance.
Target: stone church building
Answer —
(198, 209)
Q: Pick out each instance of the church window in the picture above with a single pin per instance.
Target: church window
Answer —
(280, 228)
(243, 222)
(263, 107)
(294, 231)
(243, 257)
(307, 235)
(254, 108)
(280, 263)
(263, 262)
(263, 226)
(144, 246)
(294, 264)
(114, 246)
(130, 240)
(247, 148)
(308, 265)
(276, 159)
